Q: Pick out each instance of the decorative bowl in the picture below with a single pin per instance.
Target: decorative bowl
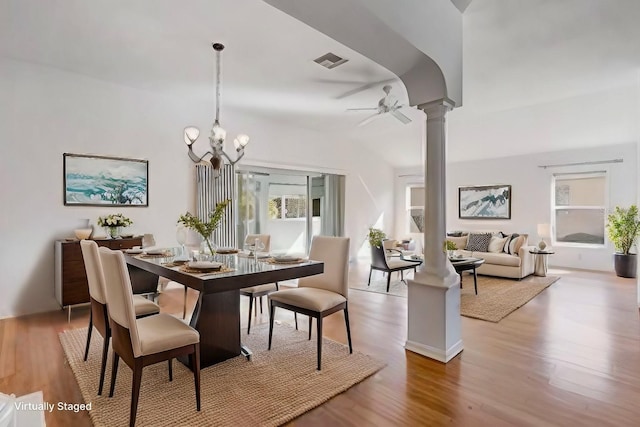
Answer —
(83, 233)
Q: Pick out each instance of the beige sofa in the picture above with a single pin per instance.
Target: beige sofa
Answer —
(501, 264)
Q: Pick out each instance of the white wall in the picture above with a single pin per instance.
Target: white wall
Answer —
(531, 198)
(45, 112)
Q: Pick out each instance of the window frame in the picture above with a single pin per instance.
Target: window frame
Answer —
(579, 174)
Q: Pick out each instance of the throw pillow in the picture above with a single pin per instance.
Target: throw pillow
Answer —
(509, 237)
(516, 244)
(496, 244)
(478, 242)
(460, 242)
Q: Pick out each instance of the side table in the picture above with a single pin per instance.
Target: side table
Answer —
(540, 266)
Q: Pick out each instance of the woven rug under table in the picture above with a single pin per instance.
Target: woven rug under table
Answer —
(497, 297)
(272, 388)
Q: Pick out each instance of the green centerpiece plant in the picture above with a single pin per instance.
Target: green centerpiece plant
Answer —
(623, 227)
(376, 236)
(205, 229)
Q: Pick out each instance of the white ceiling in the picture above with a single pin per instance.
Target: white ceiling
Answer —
(516, 52)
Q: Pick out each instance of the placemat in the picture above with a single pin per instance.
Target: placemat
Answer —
(223, 269)
(162, 255)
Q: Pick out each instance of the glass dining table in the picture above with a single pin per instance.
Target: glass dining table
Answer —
(217, 312)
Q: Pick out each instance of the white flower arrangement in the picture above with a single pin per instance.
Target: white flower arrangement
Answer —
(114, 220)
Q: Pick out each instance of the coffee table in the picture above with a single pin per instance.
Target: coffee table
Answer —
(467, 264)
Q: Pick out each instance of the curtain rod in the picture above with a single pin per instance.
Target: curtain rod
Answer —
(597, 162)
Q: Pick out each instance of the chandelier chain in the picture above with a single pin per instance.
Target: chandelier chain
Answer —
(217, 86)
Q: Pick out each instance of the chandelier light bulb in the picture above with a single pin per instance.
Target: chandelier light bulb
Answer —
(191, 133)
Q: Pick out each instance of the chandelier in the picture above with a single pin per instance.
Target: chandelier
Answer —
(218, 134)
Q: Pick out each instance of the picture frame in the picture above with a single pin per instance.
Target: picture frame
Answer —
(485, 202)
(90, 180)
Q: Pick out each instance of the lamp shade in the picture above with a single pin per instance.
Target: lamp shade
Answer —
(544, 230)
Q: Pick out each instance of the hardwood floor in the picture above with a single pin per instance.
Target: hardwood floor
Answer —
(571, 356)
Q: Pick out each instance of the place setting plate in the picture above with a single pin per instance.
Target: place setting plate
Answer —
(286, 259)
(199, 267)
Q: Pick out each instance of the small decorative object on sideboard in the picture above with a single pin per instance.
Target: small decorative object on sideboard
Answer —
(83, 233)
(623, 226)
(113, 223)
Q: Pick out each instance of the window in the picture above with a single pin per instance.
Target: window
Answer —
(578, 204)
(286, 207)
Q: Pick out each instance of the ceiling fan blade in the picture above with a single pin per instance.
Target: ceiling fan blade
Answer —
(369, 119)
(362, 88)
(362, 109)
(398, 115)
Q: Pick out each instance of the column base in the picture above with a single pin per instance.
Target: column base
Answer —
(434, 324)
(435, 353)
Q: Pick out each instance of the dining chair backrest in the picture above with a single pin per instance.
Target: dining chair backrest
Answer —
(334, 252)
(93, 267)
(264, 238)
(120, 295)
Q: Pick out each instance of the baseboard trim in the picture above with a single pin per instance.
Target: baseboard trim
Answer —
(433, 352)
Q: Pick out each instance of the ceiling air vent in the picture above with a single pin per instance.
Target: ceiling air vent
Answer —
(330, 60)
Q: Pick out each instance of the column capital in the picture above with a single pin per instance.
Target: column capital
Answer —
(439, 107)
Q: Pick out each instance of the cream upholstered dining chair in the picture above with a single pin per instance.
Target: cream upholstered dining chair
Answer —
(258, 291)
(146, 341)
(98, 316)
(320, 295)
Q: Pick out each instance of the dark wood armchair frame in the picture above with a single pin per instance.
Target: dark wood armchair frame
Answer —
(99, 318)
(254, 295)
(379, 262)
(318, 315)
(122, 348)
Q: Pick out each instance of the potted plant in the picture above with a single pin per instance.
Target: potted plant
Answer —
(623, 226)
(205, 229)
(450, 247)
(376, 236)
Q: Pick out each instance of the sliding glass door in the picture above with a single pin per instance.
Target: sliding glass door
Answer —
(290, 206)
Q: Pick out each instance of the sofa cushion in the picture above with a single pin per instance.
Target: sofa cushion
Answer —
(499, 258)
(496, 244)
(460, 242)
(478, 242)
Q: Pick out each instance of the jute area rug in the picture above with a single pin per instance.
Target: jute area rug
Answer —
(496, 297)
(272, 388)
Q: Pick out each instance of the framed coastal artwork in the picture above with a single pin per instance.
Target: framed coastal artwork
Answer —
(484, 202)
(105, 181)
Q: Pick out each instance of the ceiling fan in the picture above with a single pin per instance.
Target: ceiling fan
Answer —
(387, 105)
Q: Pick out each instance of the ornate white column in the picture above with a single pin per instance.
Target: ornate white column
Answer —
(434, 327)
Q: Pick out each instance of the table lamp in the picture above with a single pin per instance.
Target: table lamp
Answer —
(544, 230)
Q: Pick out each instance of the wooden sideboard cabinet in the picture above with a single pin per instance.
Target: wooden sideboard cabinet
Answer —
(70, 283)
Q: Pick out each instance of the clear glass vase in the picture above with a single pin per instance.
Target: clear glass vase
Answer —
(113, 232)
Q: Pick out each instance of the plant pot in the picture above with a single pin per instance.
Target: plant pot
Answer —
(625, 265)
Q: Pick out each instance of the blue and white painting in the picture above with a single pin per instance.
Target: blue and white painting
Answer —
(485, 202)
(93, 180)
